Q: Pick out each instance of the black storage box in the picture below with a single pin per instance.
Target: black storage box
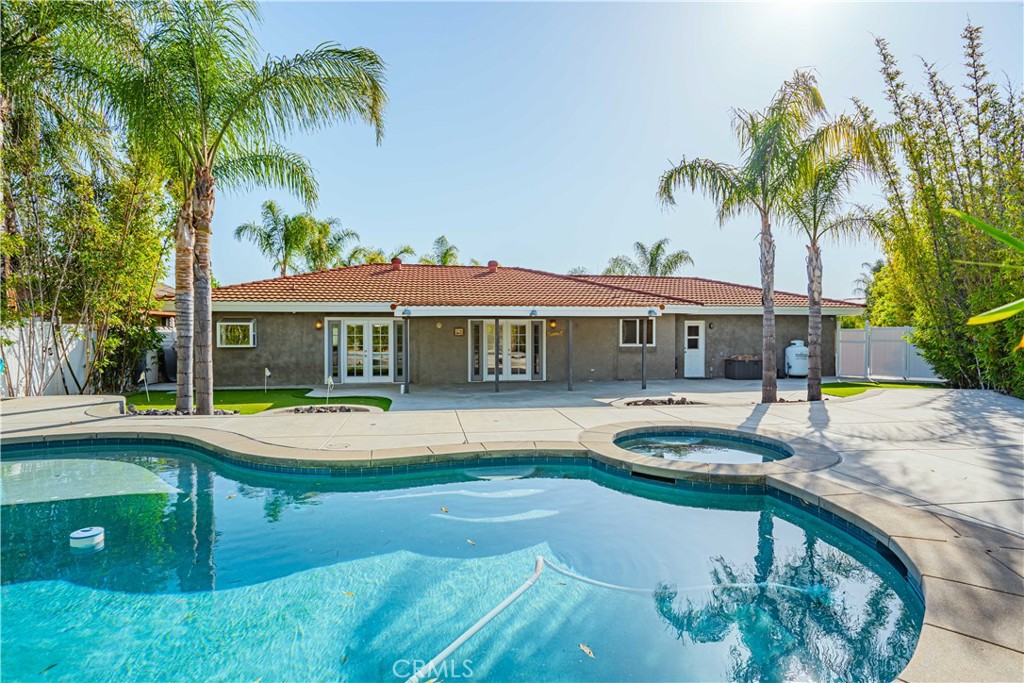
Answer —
(742, 369)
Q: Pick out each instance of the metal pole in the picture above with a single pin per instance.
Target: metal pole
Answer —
(497, 355)
(570, 354)
(406, 370)
(643, 353)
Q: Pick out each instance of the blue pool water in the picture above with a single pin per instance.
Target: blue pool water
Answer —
(212, 572)
(701, 447)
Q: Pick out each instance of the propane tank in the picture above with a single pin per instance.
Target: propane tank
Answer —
(796, 359)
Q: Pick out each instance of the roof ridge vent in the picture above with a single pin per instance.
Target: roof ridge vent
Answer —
(396, 263)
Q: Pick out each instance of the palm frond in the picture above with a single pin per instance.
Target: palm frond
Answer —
(717, 181)
(321, 86)
(269, 165)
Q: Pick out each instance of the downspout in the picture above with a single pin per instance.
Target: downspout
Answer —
(570, 354)
(643, 353)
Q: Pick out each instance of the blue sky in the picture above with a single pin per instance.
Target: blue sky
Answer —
(535, 134)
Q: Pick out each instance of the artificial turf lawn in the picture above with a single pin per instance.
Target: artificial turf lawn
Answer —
(854, 388)
(250, 401)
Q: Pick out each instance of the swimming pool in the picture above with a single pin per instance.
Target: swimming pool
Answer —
(210, 571)
(693, 445)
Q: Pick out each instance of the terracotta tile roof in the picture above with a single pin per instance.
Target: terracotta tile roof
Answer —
(421, 285)
(162, 292)
(707, 292)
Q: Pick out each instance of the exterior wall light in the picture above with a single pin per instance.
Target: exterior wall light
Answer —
(319, 324)
(553, 324)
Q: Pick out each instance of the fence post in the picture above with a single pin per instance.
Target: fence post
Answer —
(839, 347)
(906, 353)
(867, 350)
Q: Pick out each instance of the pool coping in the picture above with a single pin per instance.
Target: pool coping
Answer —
(974, 602)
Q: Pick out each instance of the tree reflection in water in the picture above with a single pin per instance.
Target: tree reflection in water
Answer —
(276, 501)
(155, 542)
(793, 619)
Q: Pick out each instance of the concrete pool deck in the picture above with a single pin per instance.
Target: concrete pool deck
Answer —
(937, 475)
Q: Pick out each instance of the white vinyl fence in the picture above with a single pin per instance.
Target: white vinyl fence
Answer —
(38, 362)
(881, 353)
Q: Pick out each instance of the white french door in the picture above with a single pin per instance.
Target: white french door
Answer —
(360, 350)
(518, 357)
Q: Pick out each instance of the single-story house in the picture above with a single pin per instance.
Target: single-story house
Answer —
(455, 324)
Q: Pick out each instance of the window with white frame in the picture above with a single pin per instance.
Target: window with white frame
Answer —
(629, 331)
(236, 334)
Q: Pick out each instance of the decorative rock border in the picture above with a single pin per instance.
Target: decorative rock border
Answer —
(324, 409)
(655, 402)
(971, 576)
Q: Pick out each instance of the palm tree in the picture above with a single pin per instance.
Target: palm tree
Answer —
(201, 95)
(51, 105)
(652, 261)
(48, 50)
(621, 265)
(279, 237)
(367, 255)
(286, 239)
(768, 143)
(326, 244)
(862, 285)
(815, 207)
(443, 253)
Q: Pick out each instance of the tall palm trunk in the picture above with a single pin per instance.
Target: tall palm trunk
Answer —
(183, 305)
(10, 217)
(769, 381)
(202, 215)
(814, 321)
(11, 231)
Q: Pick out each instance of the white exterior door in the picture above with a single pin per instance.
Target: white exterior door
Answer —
(522, 347)
(359, 350)
(693, 345)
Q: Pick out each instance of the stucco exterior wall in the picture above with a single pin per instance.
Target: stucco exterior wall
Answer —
(291, 346)
(436, 354)
(598, 357)
(729, 335)
(287, 343)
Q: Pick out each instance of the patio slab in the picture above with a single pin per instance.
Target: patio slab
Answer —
(963, 659)
(960, 562)
(935, 474)
(526, 420)
(987, 615)
(1007, 515)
